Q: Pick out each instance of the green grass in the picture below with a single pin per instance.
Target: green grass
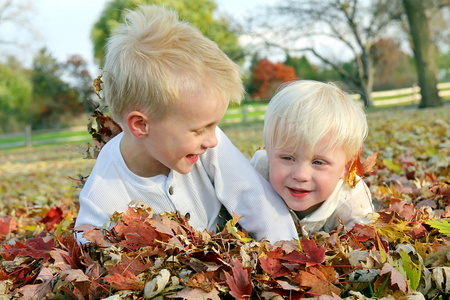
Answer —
(39, 139)
(46, 136)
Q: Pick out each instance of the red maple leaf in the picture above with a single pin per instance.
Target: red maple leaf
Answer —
(271, 265)
(35, 247)
(53, 217)
(239, 283)
(137, 235)
(314, 254)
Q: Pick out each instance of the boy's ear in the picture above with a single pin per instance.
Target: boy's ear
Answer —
(137, 123)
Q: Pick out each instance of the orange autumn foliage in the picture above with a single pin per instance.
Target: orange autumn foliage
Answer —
(268, 76)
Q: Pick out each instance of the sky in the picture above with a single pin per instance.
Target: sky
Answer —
(64, 26)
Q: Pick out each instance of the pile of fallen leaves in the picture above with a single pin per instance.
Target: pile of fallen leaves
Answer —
(403, 254)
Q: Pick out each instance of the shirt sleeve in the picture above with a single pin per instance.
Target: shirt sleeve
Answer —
(260, 162)
(242, 190)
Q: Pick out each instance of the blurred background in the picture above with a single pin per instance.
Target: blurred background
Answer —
(51, 50)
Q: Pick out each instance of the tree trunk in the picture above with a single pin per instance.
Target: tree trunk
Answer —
(424, 53)
(366, 76)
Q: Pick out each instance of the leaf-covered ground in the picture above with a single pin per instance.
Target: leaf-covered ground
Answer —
(404, 253)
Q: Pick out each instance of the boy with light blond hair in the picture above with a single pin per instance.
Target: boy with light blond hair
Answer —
(313, 131)
(168, 87)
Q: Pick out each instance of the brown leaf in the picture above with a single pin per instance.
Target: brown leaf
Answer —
(201, 281)
(96, 86)
(38, 291)
(196, 294)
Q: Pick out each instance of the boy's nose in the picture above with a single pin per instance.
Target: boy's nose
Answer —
(210, 141)
(301, 173)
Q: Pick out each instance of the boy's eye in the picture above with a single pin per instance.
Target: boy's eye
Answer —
(287, 158)
(318, 162)
(200, 131)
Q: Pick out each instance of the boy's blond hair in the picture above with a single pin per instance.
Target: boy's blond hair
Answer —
(304, 112)
(153, 59)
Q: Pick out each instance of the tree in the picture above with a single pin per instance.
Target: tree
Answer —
(199, 13)
(15, 97)
(54, 102)
(424, 53)
(268, 76)
(303, 68)
(79, 79)
(298, 26)
(394, 68)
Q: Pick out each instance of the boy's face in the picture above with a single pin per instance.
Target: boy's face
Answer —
(304, 179)
(176, 141)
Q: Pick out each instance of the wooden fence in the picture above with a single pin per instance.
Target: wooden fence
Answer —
(406, 96)
(24, 138)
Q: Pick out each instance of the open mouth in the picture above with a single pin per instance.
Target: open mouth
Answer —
(192, 158)
(298, 193)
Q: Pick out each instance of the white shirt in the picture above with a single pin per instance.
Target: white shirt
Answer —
(351, 205)
(221, 176)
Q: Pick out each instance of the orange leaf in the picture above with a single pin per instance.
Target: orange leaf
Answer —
(318, 285)
(124, 281)
(357, 169)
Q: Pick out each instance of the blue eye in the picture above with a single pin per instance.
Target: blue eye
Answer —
(318, 162)
(287, 158)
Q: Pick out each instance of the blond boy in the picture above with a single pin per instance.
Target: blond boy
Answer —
(312, 133)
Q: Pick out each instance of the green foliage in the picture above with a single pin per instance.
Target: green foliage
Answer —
(444, 226)
(199, 13)
(303, 68)
(15, 97)
(53, 99)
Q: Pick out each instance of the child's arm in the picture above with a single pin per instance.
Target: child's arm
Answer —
(244, 191)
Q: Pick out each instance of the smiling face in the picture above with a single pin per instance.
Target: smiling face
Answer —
(176, 141)
(304, 178)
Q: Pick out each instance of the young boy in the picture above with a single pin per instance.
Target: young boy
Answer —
(168, 87)
(312, 133)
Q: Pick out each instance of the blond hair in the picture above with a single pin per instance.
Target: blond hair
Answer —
(304, 112)
(153, 60)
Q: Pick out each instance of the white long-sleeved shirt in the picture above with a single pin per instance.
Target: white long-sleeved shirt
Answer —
(221, 176)
(351, 205)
